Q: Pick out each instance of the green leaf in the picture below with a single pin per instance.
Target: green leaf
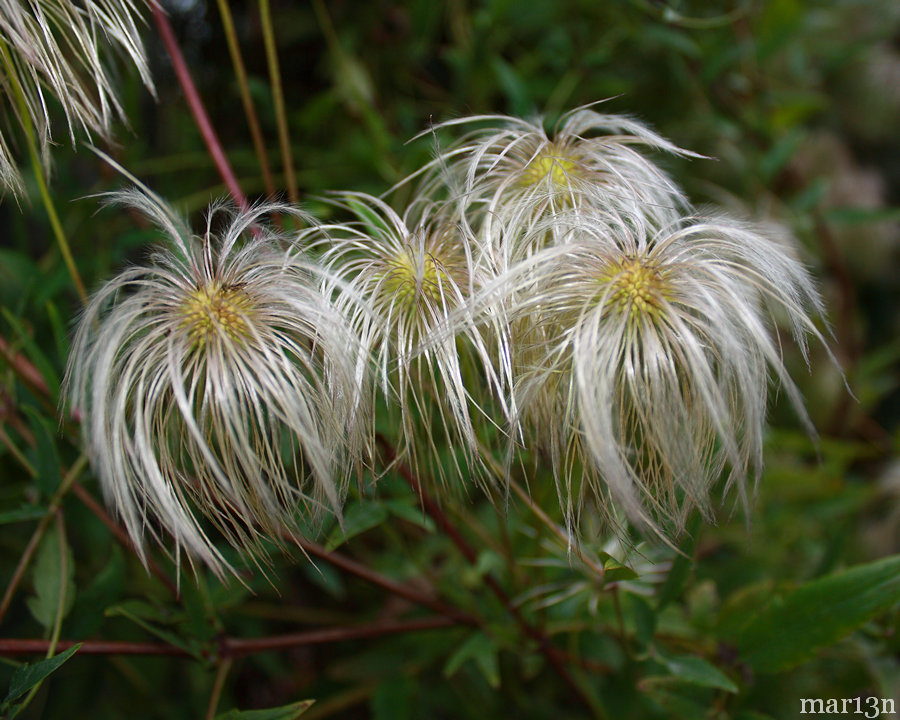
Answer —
(644, 620)
(285, 712)
(818, 614)
(681, 565)
(697, 671)
(44, 457)
(393, 699)
(104, 589)
(142, 613)
(27, 512)
(483, 650)
(358, 519)
(28, 675)
(410, 513)
(49, 580)
(862, 215)
(616, 571)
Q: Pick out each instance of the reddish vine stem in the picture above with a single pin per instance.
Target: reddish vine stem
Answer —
(385, 583)
(555, 657)
(196, 106)
(229, 647)
(97, 509)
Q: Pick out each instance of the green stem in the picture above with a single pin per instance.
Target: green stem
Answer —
(36, 164)
(240, 72)
(218, 686)
(278, 98)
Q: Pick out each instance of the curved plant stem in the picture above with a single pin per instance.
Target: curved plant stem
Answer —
(35, 158)
(55, 502)
(240, 73)
(79, 491)
(361, 571)
(231, 647)
(218, 685)
(284, 138)
(196, 106)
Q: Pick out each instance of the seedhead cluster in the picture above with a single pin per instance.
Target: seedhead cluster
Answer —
(545, 295)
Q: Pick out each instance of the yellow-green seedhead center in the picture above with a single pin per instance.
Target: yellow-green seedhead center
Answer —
(636, 287)
(550, 164)
(411, 275)
(214, 310)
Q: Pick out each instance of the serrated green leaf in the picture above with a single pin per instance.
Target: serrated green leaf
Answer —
(285, 712)
(357, 519)
(28, 675)
(44, 456)
(53, 557)
(818, 614)
(697, 671)
(482, 650)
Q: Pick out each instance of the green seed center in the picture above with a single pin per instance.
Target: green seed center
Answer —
(214, 310)
(550, 165)
(406, 278)
(637, 287)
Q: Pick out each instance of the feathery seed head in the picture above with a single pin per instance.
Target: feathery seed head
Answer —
(653, 374)
(397, 286)
(219, 389)
(511, 176)
(215, 309)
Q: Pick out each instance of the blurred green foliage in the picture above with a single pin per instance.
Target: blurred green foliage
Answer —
(797, 101)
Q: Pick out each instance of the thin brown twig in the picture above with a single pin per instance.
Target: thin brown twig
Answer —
(385, 583)
(55, 502)
(228, 647)
(97, 509)
(555, 657)
(240, 71)
(23, 368)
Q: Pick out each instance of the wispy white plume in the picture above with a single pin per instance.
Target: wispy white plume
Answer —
(59, 49)
(218, 387)
(643, 361)
(396, 284)
(511, 175)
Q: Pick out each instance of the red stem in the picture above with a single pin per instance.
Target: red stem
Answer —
(228, 647)
(196, 105)
(385, 583)
(97, 509)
